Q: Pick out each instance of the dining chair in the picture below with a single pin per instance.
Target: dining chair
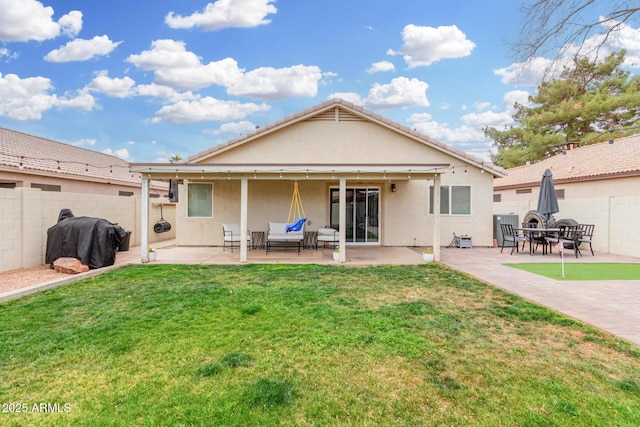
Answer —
(510, 234)
(586, 235)
(568, 236)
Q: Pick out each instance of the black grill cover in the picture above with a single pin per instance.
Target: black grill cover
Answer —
(91, 240)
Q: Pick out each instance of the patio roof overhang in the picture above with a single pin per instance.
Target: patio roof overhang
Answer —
(268, 171)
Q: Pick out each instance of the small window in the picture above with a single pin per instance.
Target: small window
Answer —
(455, 200)
(523, 191)
(560, 194)
(7, 185)
(125, 193)
(47, 187)
(154, 196)
(199, 200)
(497, 198)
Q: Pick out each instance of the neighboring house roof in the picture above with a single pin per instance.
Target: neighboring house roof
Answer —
(360, 112)
(587, 163)
(32, 154)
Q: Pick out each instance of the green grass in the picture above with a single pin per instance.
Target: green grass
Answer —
(272, 345)
(583, 271)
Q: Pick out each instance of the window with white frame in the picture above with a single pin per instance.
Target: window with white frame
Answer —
(199, 200)
(454, 200)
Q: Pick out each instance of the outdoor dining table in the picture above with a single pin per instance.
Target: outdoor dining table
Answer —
(532, 232)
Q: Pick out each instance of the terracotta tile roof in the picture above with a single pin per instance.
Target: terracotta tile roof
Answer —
(44, 155)
(602, 160)
(496, 171)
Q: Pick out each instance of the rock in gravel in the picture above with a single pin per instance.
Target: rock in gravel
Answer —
(69, 266)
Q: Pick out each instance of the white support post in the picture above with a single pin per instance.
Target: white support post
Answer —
(144, 222)
(343, 219)
(436, 218)
(244, 196)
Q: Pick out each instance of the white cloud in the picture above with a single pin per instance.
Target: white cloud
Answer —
(115, 87)
(206, 109)
(25, 20)
(225, 14)
(487, 118)
(400, 92)
(158, 91)
(81, 50)
(352, 97)
(177, 68)
(380, 67)
(530, 73)
(122, 153)
(268, 83)
(6, 53)
(233, 128)
(465, 137)
(513, 96)
(29, 98)
(224, 73)
(596, 47)
(82, 101)
(71, 23)
(83, 142)
(165, 53)
(482, 105)
(425, 45)
(180, 69)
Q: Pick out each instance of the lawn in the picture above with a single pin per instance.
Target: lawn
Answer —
(295, 345)
(583, 271)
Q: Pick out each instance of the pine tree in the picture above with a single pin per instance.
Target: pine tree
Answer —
(590, 101)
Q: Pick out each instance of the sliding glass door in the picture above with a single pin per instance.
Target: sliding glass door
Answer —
(363, 214)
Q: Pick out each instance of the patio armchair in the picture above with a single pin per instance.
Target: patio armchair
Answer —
(568, 236)
(511, 234)
(586, 235)
(231, 234)
(328, 235)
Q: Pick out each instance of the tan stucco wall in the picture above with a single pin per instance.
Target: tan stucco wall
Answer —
(616, 187)
(333, 142)
(26, 214)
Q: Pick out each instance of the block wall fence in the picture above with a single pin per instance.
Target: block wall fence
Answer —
(26, 214)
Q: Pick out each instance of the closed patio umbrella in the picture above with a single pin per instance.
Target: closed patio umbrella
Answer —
(547, 200)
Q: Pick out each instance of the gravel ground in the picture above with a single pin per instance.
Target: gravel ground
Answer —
(24, 277)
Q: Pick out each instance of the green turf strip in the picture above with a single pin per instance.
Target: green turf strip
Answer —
(583, 271)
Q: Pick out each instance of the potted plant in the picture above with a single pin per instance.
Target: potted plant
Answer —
(152, 254)
(336, 254)
(427, 255)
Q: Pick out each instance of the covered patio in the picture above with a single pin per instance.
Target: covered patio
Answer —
(341, 176)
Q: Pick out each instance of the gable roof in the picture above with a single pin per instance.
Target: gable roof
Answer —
(40, 156)
(346, 109)
(587, 163)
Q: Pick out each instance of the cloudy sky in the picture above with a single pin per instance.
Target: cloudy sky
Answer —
(149, 79)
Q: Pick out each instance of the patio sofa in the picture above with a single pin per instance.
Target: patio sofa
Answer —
(277, 236)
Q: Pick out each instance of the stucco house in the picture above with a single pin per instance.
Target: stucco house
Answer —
(377, 182)
(595, 184)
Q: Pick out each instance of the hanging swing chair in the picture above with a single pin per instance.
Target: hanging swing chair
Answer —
(296, 210)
